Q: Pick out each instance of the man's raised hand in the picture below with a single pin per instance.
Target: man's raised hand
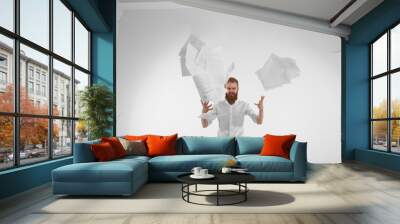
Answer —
(206, 106)
(260, 103)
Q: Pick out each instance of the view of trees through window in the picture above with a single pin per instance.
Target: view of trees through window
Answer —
(385, 91)
(38, 75)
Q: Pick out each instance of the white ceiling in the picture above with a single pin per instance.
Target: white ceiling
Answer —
(319, 9)
(314, 15)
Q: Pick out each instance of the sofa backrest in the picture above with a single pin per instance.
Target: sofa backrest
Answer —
(192, 145)
(249, 145)
(83, 152)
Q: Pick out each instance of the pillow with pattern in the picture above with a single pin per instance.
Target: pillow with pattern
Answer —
(134, 147)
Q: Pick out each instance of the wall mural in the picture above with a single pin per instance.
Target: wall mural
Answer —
(218, 89)
(201, 73)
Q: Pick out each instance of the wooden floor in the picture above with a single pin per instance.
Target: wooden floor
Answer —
(377, 188)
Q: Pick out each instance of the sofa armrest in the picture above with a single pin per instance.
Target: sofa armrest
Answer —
(298, 155)
(83, 152)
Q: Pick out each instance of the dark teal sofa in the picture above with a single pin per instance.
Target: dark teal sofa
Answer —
(125, 176)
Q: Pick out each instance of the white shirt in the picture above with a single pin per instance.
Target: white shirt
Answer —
(230, 117)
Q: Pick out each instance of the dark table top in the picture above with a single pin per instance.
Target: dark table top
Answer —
(220, 178)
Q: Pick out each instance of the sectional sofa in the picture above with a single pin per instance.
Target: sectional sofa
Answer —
(125, 176)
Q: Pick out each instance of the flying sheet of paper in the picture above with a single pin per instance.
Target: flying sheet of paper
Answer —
(207, 67)
(195, 43)
(277, 71)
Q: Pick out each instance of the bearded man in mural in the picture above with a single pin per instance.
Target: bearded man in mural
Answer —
(231, 111)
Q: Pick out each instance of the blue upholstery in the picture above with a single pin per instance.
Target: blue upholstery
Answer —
(119, 177)
(126, 175)
(249, 145)
(193, 145)
(83, 152)
(257, 163)
(184, 163)
(298, 155)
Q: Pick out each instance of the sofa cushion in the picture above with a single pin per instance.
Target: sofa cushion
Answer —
(195, 145)
(103, 152)
(111, 171)
(257, 163)
(275, 145)
(116, 145)
(134, 147)
(249, 145)
(185, 163)
(161, 145)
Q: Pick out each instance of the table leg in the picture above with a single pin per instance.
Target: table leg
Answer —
(217, 194)
(245, 193)
(196, 187)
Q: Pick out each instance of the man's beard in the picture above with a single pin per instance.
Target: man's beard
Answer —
(231, 98)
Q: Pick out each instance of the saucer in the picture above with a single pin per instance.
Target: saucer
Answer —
(208, 176)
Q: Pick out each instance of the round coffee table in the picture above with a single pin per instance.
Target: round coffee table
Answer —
(238, 179)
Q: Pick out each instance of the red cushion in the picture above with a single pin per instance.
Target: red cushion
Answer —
(277, 145)
(161, 145)
(116, 145)
(136, 137)
(103, 151)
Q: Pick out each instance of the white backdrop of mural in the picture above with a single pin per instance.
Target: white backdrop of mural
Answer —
(155, 95)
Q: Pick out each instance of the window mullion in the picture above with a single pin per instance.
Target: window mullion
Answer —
(389, 113)
(16, 84)
(73, 82)
(50, 81)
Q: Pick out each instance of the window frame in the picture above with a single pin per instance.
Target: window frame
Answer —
(16, 114)
(388, 74)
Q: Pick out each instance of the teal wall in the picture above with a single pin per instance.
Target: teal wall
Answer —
(356, 103)
(103, 51)
(24, 178)
(99, 15)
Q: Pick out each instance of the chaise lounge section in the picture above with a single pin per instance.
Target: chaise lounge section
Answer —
(125, 176)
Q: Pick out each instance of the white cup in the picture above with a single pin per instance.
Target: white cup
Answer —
(203, 172)
(196, 171)
(226, 170)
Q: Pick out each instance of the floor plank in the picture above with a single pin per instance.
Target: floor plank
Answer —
(377, 189)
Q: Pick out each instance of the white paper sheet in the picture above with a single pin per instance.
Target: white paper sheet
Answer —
(277, 71)
(207, 67)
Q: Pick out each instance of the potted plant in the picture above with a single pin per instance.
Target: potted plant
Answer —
(96, 102)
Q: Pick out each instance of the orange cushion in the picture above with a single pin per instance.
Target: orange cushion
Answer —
(103, 152)
(161, 145)
(136, 137)
(116, 145)
(277, 145)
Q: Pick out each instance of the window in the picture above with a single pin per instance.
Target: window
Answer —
(3, 72)
(62, 74)
(3, 61)
(62, 32)
(34, 21)
(30, 72)
(47, 74)
(30, 87)
(44, 91)
(81, 45)
(62, 137)
(385, 91)
(6, 142)
(37, 90)
(6, 73)
(81, 81)
(7, 14)
(37, 75)
(3, 78)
